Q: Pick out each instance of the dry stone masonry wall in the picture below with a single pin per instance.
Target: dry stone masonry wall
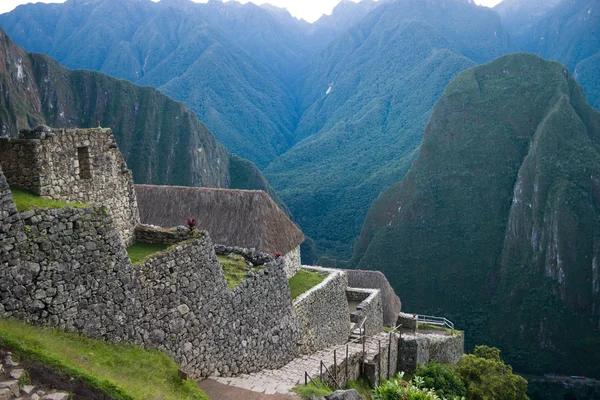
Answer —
(416, 349)
(69, 269)
(369, 306)
(156, 235)
(73, 165)
(291, 262)
(323, 313)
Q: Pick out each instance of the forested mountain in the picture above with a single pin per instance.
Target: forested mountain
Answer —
(333, 112)
(497, 225)
(365, 103)
(567, 31)
(161, 140)
(173, 46)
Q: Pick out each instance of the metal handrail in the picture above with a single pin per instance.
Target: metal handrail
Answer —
(328, 373)
(440, 321)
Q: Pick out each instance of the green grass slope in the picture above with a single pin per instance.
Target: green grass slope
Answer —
(497, 224)
(385, 74)
(121, 371)
(161, 140)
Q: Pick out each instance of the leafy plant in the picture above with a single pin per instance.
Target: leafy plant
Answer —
(486, 376)
(191, 224)
(445, 381)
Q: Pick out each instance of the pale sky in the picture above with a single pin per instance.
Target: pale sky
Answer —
(310, 10)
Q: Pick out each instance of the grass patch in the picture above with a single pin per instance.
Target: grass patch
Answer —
(26, 201)
(439, 328)
(140, 252)
(362, 386)
(122, 371)
(303, 281)
(310, 391)
(234, 268)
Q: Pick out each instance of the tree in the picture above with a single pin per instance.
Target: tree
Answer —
(445, 381)
(486, 377)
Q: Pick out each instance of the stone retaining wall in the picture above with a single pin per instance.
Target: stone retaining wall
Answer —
(416, 349)
(68, 268)
(291, 262)
(151, 234)
(74, 165)
(370, 307)
(322, 312)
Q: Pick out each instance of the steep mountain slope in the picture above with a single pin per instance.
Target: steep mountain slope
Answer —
(519, 16)
(186, 50)
(568, 32)
(365, 104)
(161, 140)
(497, 225)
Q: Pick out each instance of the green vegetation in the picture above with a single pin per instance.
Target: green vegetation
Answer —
(479, 376)
(303, 281)
(480, 193)
(311, 391)
(235, 269)
(486, 376)
(441, 377)
(139, 253)
(121, 371)
(26, 201)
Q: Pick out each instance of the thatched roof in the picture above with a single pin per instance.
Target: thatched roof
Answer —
(243, 218)
(377, 280)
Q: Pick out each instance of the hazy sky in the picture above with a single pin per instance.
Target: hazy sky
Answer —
(310, 10)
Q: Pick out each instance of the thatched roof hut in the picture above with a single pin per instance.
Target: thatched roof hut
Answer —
(377, 280)
(242, 218)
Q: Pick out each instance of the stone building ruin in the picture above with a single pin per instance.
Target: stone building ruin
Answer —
(73, 165)
(234, 218)
(69, 268)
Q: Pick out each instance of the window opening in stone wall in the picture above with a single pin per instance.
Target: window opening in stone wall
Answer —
(85, 165)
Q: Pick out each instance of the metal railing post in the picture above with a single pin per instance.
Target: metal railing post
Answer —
(335, 363)
(389, 356)
(363, 352)
(379, 369)
(321, 371)
(346, 364)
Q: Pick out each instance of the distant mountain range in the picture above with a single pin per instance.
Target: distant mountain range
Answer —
(333, 111)
(161, 140)
(497, 224)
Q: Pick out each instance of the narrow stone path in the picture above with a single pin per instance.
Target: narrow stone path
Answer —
(218, 391)
(281, 381)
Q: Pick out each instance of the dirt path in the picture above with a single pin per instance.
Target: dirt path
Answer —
(218, 391)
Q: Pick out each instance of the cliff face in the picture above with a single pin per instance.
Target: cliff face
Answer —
(497, 224)
(161, 140)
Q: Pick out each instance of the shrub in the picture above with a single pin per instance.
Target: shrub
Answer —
(487, 377)
(445, 381)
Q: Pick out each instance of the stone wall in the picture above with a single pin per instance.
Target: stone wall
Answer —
(377, 280)
(369, 306)
(150, 234)
(74, 165)
(251, 255)
(291, 262)
(323, 313)
(69, 269)
(408, 321)
(416, 349)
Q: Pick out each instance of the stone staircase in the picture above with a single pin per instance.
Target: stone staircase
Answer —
(282, 380)
(13, 384)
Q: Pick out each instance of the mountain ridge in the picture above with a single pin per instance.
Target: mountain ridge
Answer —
(501, 214)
